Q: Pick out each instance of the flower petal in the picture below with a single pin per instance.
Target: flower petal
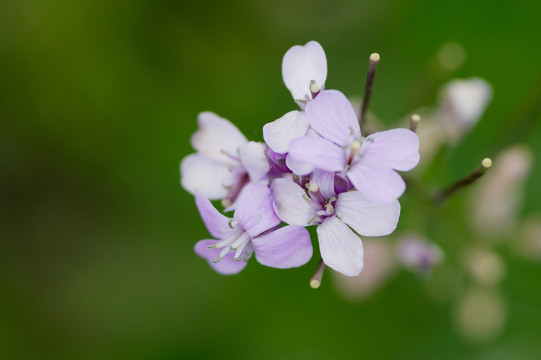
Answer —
(226, 266)
(287, 247)
(396, 148)
(325, 182)
(215, 136)
(216, 223)
(298, 167)
(333, 117)
(279, 133)
(254, 210)
(340, 248)
(291, 203)
(210, 177)
(318, 152)
(254, 159)
(302, 64)
(365, 216)
(376, 181)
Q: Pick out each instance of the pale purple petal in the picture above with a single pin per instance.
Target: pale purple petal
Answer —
(396, 148)
(302, 64)
(287, 247)
(279, 133)
(215, 136)
(210, 177)
(254, 210)
(216, 223)
(333, 117)
(317, 152)
(226, 266)
(291, 203)
(254, 160)
(298, 167)
(325, 181)
(376, 181)
(365, 216)
(340, 248)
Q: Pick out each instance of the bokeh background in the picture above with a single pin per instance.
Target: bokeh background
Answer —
(98, 100)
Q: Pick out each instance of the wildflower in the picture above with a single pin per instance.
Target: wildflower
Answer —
(334, 214)
(368, 163)
(225, 160)
(253, 229)
(304, 71)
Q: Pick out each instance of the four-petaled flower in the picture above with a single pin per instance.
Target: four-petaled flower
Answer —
(334, 214)
(253, 229)
(368, 163)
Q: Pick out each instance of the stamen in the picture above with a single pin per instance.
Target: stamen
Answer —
(312, 187)
(226, 203)
(355, 146)
(241, 240)
(232, 157)
(314, 89)
(240, 247)
(329, 209)
(221, 256)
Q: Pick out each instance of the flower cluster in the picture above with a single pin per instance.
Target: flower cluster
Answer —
(315, 168)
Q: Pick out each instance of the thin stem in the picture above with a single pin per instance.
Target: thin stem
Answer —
(414, 122)
(373, 64)
(440, 196)
(315, 281)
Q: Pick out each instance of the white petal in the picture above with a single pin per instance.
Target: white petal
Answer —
(291, 203)
(254, 160)
(340, 248)
(365, 216)
(302, 64)
(215, 136)
(210, 177)
(279, 133)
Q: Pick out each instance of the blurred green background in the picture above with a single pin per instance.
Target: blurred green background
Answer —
(98, 100)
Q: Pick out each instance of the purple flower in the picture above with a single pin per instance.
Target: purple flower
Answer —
(304, 71)
(335, 217)
(253, 229)
(225, 160)
(368, 163)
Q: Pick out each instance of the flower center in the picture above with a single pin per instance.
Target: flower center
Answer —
(239, 242)
(326, 206)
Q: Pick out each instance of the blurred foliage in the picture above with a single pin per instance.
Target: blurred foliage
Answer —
(97, 103)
